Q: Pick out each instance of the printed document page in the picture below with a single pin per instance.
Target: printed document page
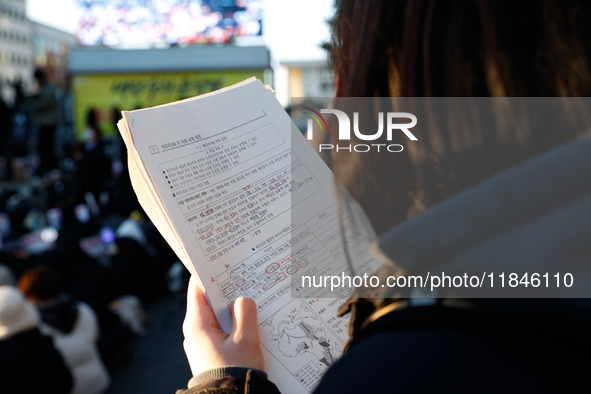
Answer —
(231, 171)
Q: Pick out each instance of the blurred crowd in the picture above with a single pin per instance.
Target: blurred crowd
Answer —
(136, 22)
(79, 260)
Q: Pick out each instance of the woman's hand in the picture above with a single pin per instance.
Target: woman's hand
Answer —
(208, 347)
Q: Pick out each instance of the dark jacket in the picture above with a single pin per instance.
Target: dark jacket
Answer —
(29, 363)
(61, 314)
(535, 217)
(94, 168)
(45, 110)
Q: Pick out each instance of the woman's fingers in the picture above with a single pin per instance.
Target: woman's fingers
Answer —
(208, 347)
(199, 314)
(244, 319)
(245, 334)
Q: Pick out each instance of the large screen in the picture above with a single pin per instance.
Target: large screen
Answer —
(141, 23)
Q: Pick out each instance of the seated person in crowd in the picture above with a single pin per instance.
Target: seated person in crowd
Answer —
(29, 362)
(73, 327)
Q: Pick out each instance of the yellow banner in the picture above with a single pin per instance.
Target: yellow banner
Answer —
(110, 94)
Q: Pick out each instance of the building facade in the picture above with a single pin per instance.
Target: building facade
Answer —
(51, 48)
(16, 47)
(309, 79)
(25, 45)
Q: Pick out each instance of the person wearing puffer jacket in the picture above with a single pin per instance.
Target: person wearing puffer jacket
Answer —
(73, 327)
(29, 362)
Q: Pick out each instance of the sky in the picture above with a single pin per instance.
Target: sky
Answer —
(293, 30)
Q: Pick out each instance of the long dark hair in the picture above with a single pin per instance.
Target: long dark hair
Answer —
(457, 48)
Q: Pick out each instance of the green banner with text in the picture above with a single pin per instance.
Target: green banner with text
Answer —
(109, 94)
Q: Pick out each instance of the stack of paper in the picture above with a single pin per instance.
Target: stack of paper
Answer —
(145, 190)
(246, 203)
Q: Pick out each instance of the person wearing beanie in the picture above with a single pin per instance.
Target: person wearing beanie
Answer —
(72, 325)
(29, 363)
